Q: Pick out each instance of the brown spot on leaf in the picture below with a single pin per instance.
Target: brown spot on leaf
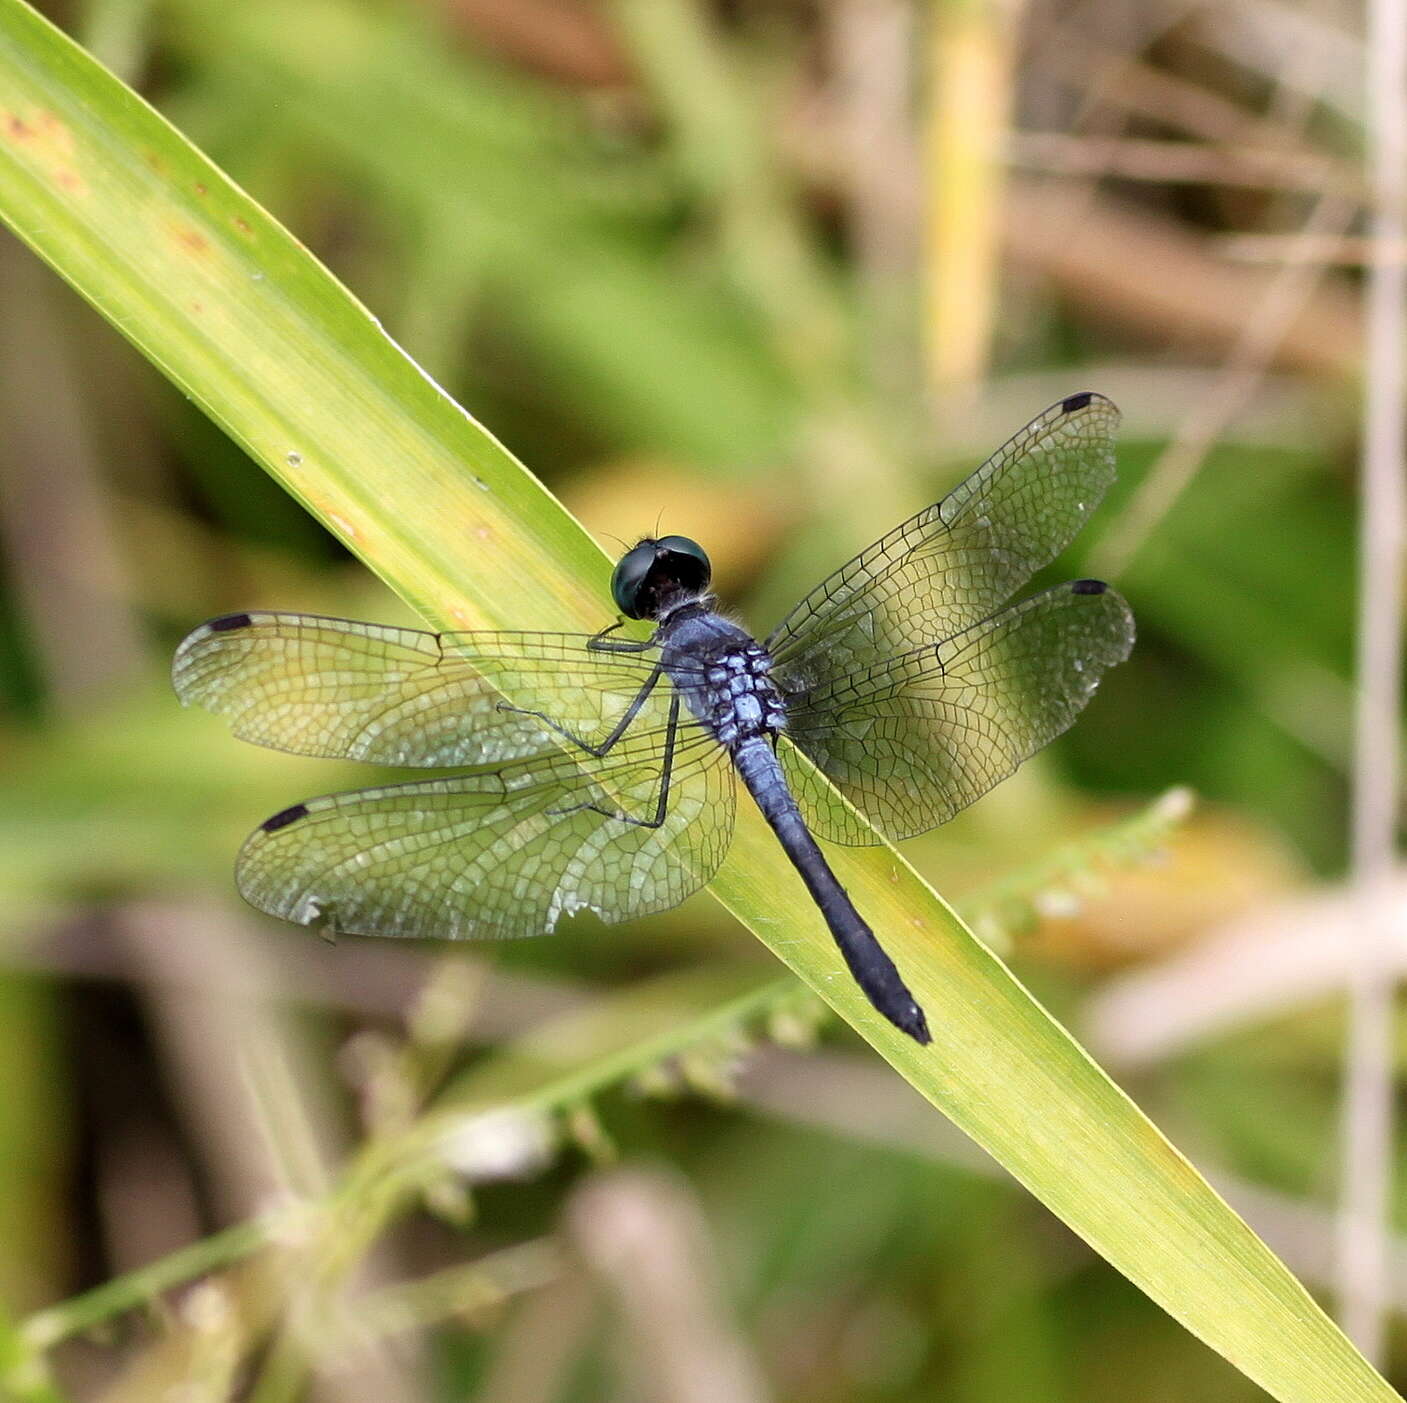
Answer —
(193, 239)
(48, 143)
(52, 141)
(243, 226)
(200, 188)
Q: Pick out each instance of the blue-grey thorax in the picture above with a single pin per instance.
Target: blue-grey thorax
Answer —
(723, 674)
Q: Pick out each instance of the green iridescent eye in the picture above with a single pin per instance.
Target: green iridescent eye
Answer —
(628, 581)
(653, 570)
(690, 550)
(681, 563)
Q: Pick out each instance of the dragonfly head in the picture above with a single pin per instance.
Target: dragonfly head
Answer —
(654, 575)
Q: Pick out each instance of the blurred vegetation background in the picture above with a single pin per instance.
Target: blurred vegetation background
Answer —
(773, 273)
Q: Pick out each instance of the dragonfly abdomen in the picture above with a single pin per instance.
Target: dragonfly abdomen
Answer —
(874, 971)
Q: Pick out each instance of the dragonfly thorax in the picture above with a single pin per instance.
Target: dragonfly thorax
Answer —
(724, 675)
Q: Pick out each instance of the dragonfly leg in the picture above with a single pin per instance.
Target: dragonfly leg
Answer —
(597, 748)
(666, 772)
(600, 643)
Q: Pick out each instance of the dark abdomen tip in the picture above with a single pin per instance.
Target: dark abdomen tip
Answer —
(283, 818)
(916, 1026)
(1074, 402)
(228, 622)
(1088, 587)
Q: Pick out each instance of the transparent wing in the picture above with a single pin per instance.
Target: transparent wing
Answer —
(396, 696)
(958, 561)
(501, 852)
(914, 739)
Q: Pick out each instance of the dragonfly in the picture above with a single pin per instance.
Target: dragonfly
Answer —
(599, 772)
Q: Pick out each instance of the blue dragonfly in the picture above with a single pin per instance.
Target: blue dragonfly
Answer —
(597, 772)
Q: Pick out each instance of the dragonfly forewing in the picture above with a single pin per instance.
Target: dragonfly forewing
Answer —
(957, 562)
(398, 696)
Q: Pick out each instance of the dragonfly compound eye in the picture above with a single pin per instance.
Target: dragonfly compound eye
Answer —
(630, 577)
(684, 563)
(653, 572)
